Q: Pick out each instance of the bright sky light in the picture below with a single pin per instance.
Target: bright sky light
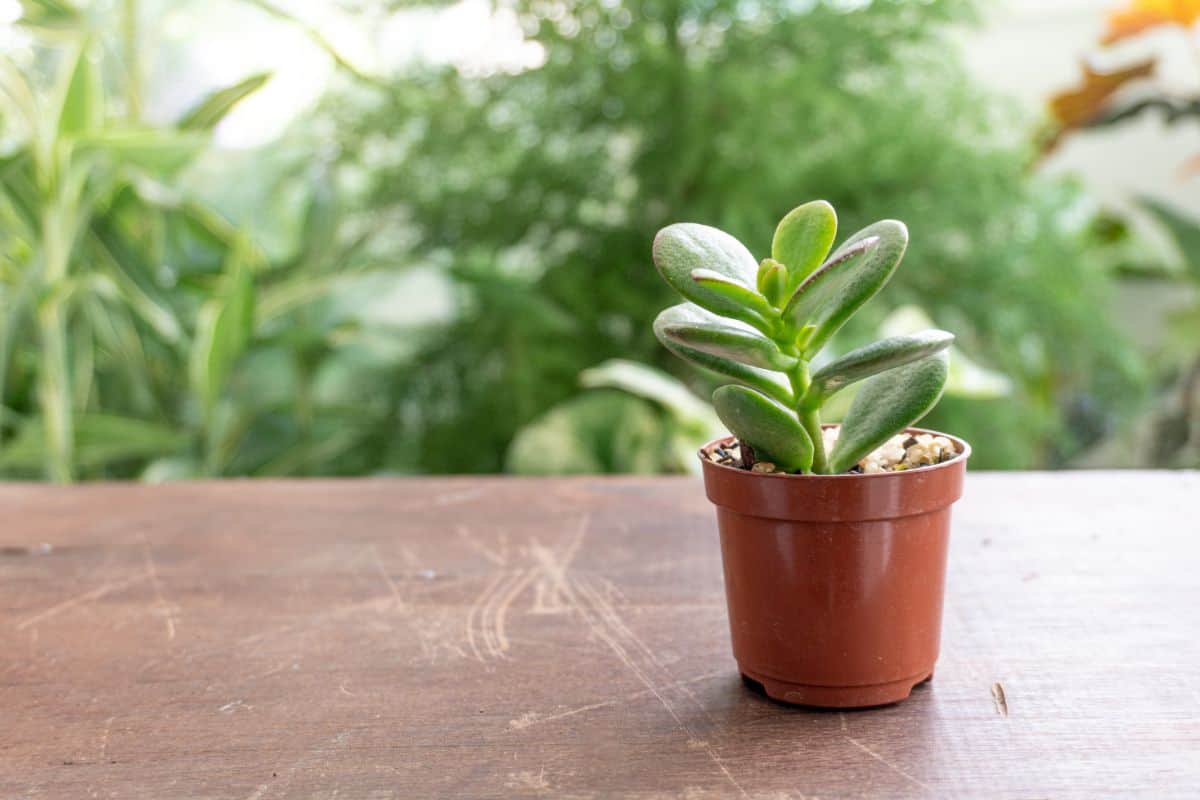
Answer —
(467, 34)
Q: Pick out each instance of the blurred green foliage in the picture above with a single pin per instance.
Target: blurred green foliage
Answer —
(141, 333)
(147, 332)
(540, 193)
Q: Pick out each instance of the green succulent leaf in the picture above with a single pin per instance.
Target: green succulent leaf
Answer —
(773, 431)
(772, 281)
(685, 247)
(733, 290)
(886, 405)
(872, 359)
(852, 275)
(688, 314)
(724, 338)
(803, 238)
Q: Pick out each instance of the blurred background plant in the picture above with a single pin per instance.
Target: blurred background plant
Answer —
(422, 244)
(143, 332)
(1120, 84)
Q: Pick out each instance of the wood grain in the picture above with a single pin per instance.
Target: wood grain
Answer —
(517, 638)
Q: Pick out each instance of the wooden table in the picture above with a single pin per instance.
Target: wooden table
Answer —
(501, 638)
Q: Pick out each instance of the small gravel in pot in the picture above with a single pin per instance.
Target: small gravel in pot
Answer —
(903, 451)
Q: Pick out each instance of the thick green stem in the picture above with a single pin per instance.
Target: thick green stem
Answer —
(811, 420)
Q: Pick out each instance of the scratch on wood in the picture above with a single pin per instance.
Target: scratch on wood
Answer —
(167, 610)
(86, 597)
(532, 718)
(548, 594)
(475, 608)
(999, 699)
(104, 739)
(609, 613)
(401, 604)
(556, 569)
(888, 764)
(526, 578)
(452, 498)
(475, 544)
(529, 780)
(307, 625)
(487, 627)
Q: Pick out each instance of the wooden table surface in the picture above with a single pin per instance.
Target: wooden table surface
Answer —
(514, 638)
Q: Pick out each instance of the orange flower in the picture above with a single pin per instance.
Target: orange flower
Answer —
(1077, 107)
(1141, 15)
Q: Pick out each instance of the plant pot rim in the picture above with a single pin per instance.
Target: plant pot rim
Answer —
(963, 447)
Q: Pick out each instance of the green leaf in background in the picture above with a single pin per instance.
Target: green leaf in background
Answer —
(871, 359)
(803, 238)
(887, 404)
(577, 436)
(682, 248)
(171, 468)
(50, 15)
(721, 338)
(99, 439)
(598, 432)
(1183, 229)
(966, 378)
(852, 275)
(691, 420)
(225, 327)
(773, 431)
(689, 314)
(158, 152)
(80, 103)
(654, 385)
(205, 115)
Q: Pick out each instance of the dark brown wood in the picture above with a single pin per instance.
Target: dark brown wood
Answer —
(500, 638)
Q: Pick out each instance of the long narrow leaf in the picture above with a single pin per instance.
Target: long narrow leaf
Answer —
(213, 108)
(225, 327)
(100, 439)
(158, 152)
(1183, 229)
(79, 97)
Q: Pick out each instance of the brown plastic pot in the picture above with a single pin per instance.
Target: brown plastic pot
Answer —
(835, 582)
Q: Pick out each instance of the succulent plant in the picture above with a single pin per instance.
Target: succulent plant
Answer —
(764, 323)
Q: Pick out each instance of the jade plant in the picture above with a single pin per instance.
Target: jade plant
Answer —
(765, 323)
